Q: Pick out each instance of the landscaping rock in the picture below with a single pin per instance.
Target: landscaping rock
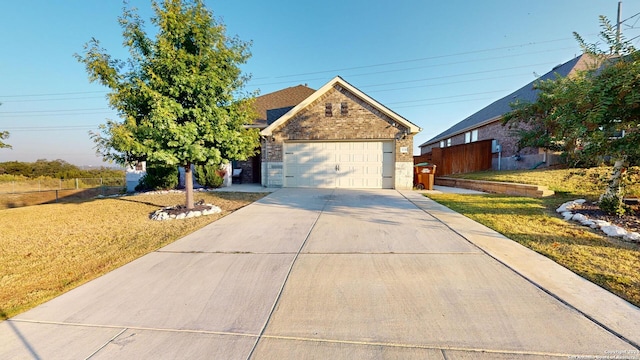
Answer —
(179, 212)
(614, 231)
(601, 223)
(588, 223)
(579, 218)
(567, 215)
(632, 237)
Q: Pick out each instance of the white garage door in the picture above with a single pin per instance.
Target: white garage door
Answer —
(339, 164)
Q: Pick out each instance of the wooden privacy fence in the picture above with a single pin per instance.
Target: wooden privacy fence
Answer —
(458, 159)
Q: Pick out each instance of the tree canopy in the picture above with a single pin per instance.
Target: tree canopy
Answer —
(3, 136)
(179, 94)
(591, 116)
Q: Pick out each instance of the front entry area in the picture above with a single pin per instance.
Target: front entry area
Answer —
(349, 165)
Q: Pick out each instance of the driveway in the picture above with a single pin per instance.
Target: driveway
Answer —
(318, 274)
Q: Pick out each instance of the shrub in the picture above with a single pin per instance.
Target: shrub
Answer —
(158, 177)
(209, 175)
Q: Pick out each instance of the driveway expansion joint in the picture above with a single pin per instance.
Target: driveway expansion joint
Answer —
(328, 198)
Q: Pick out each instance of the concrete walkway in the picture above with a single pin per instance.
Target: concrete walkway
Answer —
(332, 274)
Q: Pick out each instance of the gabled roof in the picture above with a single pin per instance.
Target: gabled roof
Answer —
(285, 98)
(527, 93)
(353, 90)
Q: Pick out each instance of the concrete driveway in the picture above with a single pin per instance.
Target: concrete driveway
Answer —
(329, 274)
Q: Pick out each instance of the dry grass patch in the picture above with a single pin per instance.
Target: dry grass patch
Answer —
(607, 262)
(49, 249)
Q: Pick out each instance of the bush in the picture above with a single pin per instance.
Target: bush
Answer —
(159, 177)
(209, 175)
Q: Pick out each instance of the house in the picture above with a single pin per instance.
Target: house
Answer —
(337, 137)
(481, 142)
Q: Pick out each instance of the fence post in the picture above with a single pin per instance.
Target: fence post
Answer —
(39, 187)
(56, 195)
(60, 184)
(76, 183)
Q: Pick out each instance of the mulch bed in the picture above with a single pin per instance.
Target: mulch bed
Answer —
(629, 221)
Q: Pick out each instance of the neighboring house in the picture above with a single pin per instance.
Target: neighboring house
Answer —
(338, 137)
(454, 147)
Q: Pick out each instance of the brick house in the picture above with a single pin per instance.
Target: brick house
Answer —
(337, 137)
(486, 125)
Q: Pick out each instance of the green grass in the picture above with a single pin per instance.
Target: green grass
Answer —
(578, 182)
(47, 250)
(610, 263)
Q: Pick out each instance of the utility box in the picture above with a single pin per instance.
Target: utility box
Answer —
(424, 175)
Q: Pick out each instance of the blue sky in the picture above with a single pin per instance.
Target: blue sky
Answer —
(433, 62)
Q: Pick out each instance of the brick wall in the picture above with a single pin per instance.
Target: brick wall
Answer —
(493, 130)
(361, 122)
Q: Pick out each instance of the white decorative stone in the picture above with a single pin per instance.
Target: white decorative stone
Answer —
(580, 201)
(601, 223)
(632, 237)
(588, 223)
(614, 231)
(181, 216)
(567, 215)
(579, 218)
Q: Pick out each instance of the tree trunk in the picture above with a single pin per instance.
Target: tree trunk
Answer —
(188, 185)
(612, 200)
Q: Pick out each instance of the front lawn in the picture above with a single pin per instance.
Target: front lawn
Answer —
(610, 263)
(47, 250)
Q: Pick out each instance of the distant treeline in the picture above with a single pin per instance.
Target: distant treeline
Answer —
(58, 169)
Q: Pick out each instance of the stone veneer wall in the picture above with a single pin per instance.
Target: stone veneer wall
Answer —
(361, 122)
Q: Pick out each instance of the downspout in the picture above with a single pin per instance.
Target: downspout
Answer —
(264, 163)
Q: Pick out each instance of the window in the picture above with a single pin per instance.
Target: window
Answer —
(328, 111)
(442, 143)
(449, 142)
(470, 136)
(344, 109)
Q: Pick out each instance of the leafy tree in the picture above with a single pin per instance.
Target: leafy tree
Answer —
(179, 94)
(592, 115)
(3, 136)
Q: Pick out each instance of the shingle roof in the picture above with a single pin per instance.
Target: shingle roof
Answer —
(500, 107)
(285, 98)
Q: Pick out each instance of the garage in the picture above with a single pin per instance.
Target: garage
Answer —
(338, 137)
(358, 164)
